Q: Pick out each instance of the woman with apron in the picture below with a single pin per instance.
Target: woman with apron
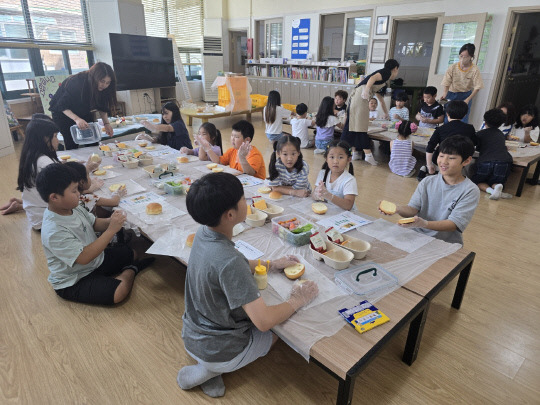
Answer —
(356, 125)
(462, 80)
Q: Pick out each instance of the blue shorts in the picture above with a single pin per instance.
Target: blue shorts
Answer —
(322, 144)
(492, 172)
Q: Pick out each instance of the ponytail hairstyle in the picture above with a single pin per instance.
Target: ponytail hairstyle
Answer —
(37, 143)
(337, 144)
(274, 99)
(105, 98)
(405, 128)
(325, 110)
(278, 146)
(214, 133)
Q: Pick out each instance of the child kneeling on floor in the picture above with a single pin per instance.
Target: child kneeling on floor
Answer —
(81, 264)
(226, 324)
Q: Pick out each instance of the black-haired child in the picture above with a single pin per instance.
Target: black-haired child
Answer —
(325, 121)
(82, 267)
(526, 128)
(431, 112)
(334, 183)
(402, 162)
(455, 111)
(226, 323)
(443, 205)
(273, 115)
(288, 171)
(400, 112)
(300, 127)
(340, 100)
(211, 134)
(242, 156)
(172, 127)
(494, 163)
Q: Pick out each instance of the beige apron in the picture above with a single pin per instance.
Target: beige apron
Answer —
(359, 108)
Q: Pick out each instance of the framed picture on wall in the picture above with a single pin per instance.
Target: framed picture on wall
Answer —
(382, 25)
(378, 50)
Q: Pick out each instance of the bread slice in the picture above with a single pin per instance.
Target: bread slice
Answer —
(211, 166)
(264, 190)
(406, 220)
(115, 187)
(275, 195)
(388, 207)
(217, 169)
(295, 271)
(319, 208)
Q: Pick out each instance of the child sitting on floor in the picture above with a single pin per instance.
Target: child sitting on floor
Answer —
(243, 156)
(373, 113)
(400, 112)
(300, 127)
(288, 171)
(226, 323)
(209, 132)
(443, 205)
(82, 266)
(402, 161)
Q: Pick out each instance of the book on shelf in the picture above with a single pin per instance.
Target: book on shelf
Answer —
(364, 316)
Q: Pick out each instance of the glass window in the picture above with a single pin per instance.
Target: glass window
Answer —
(274, 39)
(53, 62)
(454, 36)
(332, 36)
(356, 42)
(78, 61)
(16, 68)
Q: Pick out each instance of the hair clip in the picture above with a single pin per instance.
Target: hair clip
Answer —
(397, 125)
(414, 127)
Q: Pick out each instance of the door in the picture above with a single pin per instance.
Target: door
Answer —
(520, 81)
(238, 51)
(452, 33)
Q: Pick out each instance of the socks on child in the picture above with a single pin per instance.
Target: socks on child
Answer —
(370, 159)
(214, 387)
(356, 155)
(495, 192)
(192, 376)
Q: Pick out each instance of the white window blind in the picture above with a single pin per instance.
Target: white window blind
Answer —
(45, 22)
(182, 18)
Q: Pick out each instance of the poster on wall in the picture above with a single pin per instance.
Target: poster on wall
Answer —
(47, 86)
(300, 38)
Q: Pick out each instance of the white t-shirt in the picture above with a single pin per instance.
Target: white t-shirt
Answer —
(520, 133)
(300, 128)
(277, 126)
(344, 185)
(373, 114)
(33, 204)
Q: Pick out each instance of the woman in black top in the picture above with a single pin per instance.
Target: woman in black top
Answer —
(356, 126)
(79, 95)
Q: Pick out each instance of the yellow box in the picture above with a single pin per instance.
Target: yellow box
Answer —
(258, 100)
(224, 97)
(289, 107)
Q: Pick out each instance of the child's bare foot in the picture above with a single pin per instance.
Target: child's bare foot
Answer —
(11, 200)
(13, 207)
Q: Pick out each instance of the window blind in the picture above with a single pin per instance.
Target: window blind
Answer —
(43, 22)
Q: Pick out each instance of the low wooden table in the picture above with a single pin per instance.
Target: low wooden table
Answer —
(523, 164)
(205, 117)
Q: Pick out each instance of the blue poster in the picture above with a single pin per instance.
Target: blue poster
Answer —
(300, 38)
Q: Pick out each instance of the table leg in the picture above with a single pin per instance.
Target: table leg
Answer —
(248, 116)
(204, 120)
(190, 120)
(345, 391)
(461, 285)
(536, 175)
(522, 181)
(414, 336)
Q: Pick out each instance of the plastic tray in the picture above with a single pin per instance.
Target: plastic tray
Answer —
(297, 239)
(86, 136)
(365, 279)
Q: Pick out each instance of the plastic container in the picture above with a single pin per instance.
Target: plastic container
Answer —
(224, 97)
(160, 173)
(146, 161)
(290, 107)
(335, 257)
(296, 239)
(174, 189)
(86, 136)
(258, 218)
(272, 211)
(258, 100)
(132, 163)
(358, 247)
(365, 279)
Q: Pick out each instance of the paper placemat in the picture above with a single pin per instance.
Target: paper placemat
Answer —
(249, 181)
(344, 222)
(132, 187)
(402, 238)
(142, 199)
(250, 252)
(168, 213)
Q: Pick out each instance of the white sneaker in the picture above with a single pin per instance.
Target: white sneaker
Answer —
(497, 191)
(371, 160)
(318, 151)
(356, 156)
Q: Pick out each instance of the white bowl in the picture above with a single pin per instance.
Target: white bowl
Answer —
(335, 257)
(358, 247)
(258, 218)
(272, 211)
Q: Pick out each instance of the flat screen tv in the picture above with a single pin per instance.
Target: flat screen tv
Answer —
(142, 62)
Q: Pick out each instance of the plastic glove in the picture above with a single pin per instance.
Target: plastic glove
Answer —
(244, 150)
(282, 262)
(184, 150)
(96, 185)
(91, 165)
(302, 294)
(418, 223)
(121, 192)
(203, 142)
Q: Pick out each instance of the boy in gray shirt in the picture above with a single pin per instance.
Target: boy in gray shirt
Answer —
(443, 205)
(226, 324)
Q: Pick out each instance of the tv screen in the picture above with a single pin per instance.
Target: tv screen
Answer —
(142, 62)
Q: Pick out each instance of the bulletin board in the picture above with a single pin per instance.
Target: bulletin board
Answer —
(300, 38)
(47, 87)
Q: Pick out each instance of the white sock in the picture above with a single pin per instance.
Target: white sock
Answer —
(497, 191)
(489, 190)
(214, 387)
(192, 376)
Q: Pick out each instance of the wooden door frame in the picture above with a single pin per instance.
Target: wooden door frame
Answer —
(495, 90)
(415, 17)
(231, 32)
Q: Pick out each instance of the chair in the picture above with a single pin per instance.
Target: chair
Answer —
(34, 95)
(14, 126)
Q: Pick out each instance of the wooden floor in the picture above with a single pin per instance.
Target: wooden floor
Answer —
(54, 351)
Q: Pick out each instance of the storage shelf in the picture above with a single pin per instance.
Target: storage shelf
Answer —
(319, 73)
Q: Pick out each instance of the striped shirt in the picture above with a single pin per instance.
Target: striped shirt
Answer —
(402, 161)
(297, 180)
(402, 112)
